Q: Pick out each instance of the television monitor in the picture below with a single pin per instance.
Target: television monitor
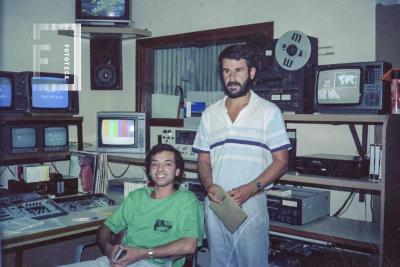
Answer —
(103, 12)
(56, 138)
(24, 139)
(339, 86)
(121, 132)
(33, 140)
(6, 89)
(45, 94)
(352, 88)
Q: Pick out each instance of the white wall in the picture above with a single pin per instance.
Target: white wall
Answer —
(347, 26)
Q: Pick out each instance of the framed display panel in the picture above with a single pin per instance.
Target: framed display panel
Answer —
(147, 48)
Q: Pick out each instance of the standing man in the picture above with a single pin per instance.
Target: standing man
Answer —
(242, 148)
(162, 224)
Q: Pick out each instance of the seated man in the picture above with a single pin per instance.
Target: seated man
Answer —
(162, 223)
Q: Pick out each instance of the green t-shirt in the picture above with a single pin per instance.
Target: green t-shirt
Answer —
(154, 222)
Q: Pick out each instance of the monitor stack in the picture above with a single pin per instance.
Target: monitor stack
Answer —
(33, 107)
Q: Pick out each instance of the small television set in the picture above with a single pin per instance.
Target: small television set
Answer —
(55, 138)
(354, 88)
(38, 94)
(103, 12)
(24, 139)
(20, 139)
(121, 132)
(6, 90)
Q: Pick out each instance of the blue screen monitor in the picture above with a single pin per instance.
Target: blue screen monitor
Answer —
(49, 92)
(6, 89)
(42, 93)
(5, 92)
(56, 138)
(23, 139)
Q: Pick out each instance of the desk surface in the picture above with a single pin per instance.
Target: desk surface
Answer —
(74, 224)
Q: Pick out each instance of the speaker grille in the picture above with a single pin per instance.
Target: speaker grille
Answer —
(106, 64)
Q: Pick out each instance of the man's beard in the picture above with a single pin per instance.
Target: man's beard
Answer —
(242, 91)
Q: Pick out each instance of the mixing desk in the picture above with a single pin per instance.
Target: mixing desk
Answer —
(84, 202)
(30, 205)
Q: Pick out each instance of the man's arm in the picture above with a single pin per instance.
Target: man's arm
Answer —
(105, 239)
(275, 170)
(204, 171)
(173, 250)
(176, 249)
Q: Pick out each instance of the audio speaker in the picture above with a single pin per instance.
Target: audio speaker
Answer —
(106, 64)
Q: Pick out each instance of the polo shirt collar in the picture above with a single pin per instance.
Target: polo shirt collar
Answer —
(252, 100)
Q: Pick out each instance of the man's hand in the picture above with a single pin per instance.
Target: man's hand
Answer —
(214, 193)
(242, 193)
(110, 250)
(132, 255)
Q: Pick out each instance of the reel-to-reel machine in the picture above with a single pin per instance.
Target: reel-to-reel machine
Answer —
(288, 79)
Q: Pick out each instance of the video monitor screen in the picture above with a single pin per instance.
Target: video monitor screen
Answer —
(103, 8)
(55, 136)
(339, 86)
(24, 137)
(118, 131)
(49, 92)
(5, 92)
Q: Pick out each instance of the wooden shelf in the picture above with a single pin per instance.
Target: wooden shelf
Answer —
(109, 32)
(42, 118)
(42, 158)
(336, 119)
(340, 231)
(166, 122)
(314, 180)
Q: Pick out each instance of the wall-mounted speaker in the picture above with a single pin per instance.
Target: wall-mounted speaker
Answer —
(106, 64)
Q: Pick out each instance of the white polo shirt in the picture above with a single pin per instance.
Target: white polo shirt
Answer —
(241, 150)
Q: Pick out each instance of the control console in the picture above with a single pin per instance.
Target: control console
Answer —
(30, 205)
(182, 140)
(84, 202)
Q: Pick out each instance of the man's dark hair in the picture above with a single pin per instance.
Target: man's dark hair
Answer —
(237, 52)
(179, 162)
